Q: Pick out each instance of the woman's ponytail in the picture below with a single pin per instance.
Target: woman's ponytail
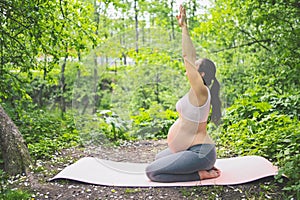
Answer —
(209, 69)
(215, 102)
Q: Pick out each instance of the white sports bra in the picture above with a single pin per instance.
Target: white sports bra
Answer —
(193, 113)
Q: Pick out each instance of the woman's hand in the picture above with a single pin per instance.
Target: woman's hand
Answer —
(181, 17)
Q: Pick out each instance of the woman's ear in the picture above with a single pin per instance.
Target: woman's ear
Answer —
(202, 74)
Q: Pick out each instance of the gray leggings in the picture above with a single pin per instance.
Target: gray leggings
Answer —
(183, 165)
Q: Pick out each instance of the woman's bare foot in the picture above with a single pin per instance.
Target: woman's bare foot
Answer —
(207, 174)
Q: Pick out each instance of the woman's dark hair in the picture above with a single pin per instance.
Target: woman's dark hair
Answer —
(209, 69)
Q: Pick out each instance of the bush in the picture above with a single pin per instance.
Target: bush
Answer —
(254, 128)
(103, 127)
(15, 194)
(46, 132)
(153, 123)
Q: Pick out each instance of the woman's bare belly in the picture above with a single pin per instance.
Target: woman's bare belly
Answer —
(184, 134)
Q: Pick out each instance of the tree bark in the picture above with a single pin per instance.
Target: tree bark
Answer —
(95, 78)
(14, 150)
(95, 85)
(136, 26)
(63, 85)
(172, 22)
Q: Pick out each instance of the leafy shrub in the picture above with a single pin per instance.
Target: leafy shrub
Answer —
(113, 126)
(153, 123)
(9, 194)
(46, 132)
(287, 104)
(102, 127)
(254, 128)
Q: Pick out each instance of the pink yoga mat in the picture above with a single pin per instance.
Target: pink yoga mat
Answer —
(104, 172)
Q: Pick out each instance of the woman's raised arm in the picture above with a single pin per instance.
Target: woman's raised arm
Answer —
(189, 55)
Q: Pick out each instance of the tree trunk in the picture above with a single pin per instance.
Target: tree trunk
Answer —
(95, 85)
(14, 151)
(136, 26)
(172, 22)
(63, 84)
(78, 68)
(95, 79)
(40, 94)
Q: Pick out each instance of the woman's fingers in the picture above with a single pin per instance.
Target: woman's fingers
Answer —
(182, 16)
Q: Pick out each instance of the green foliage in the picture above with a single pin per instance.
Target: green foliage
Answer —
(46, 133)
(153, 123)
(35, 35)
(113, 127)
(10, 194)
(255, 128)
(15, 194)
(103, 127)
(290, 169)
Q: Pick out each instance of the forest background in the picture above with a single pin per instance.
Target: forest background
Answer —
(77, 72)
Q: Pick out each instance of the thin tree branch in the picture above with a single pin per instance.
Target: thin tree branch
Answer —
(61, 8)
(257, 41)
(10, 7)
(21, 24)
(242, 45)
(14, 77)
(13, 38)
(22, 46)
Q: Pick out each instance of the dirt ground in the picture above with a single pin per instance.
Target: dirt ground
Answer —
(140, 151)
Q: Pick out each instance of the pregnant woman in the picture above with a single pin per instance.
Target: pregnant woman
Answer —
(191, 153)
